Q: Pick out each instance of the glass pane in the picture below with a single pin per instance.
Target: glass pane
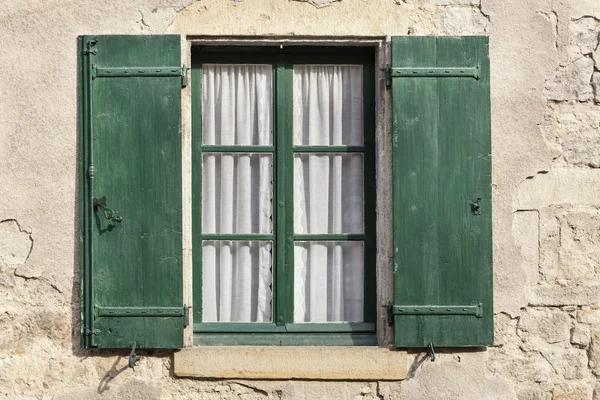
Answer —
(236, 104)
(328, 193)
(328, 105)
(236, 281)
(237, 193)
(328, 281)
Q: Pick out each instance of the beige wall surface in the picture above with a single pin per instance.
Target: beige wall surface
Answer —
(545, 74)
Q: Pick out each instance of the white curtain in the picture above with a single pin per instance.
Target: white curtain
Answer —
(236, 193)
(328, 193)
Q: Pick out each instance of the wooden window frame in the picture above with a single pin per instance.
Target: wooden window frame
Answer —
(283, 330)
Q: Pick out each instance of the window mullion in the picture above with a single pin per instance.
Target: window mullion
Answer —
(284, 291)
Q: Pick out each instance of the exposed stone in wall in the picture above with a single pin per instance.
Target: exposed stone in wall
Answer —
(545, 61)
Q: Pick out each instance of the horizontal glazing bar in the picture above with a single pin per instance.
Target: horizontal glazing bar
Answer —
(237, 236)
(332, 327)
(239, 327)
(328, 236)
(329, 149)
(286, 339)
(236, 149)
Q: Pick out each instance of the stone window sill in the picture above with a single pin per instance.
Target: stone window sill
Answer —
(291, 362)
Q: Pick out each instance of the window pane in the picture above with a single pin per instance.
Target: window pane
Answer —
(328, 193)
(236, 281)
(237, 193)
(328, 105)
(236, 104)
(328, 281)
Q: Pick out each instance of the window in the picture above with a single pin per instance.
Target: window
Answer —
(283, 213)
(283, 187)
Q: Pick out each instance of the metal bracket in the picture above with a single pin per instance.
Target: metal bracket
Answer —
(431, 352)
(186, 316)
(140, 311)
(432, 72)
(132, 356)
(390, 314)
(90, 48)
(476, 206)
(137, 72)
(476, 310)
(184, 76)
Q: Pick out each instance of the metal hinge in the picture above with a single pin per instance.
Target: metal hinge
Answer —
(95, 332)
(90, 173)
(121, 312)
(475, 310)
(431, 72)
(184, 76)
(186, 316)
(90, 47)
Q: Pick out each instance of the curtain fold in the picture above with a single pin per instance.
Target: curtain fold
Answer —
(328, 193)
(236, 193)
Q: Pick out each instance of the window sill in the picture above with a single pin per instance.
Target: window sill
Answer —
(291, 362)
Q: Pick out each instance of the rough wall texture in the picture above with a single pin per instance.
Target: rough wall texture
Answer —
(545, 58)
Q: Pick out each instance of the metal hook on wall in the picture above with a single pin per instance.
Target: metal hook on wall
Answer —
(431, 352)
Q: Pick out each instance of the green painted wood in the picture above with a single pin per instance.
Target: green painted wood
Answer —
(370, 190)
(283, 176)
(442, 164)
(85, 195)
(196, 88)
(329, 149)
(236, 149)
(333, 327)
(285, 339)
(135, 150)
(328, 236)
(248, 237)
(230, 327)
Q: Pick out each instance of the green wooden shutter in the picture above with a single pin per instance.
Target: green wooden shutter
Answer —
(130, 120)
(442, 191)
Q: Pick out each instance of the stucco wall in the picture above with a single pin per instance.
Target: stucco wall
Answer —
(545, 61)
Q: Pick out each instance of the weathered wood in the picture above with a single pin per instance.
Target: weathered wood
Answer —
(442, 192)
(135, 150)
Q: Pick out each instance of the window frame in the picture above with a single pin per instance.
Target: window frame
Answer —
(282, 329)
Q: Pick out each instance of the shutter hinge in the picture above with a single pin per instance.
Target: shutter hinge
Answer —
(95, 332)
(475, 310)
(184, 76)
(388, 76)
(390, 314)
(90, 48)
(431, 72)
(91, 172)
(186, 316)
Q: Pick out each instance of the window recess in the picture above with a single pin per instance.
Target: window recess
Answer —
(283, 216)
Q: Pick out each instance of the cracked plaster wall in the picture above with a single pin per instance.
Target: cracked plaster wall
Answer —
(545, 62)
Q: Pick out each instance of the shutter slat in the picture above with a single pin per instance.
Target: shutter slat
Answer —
(442, 192)
(133, 142)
